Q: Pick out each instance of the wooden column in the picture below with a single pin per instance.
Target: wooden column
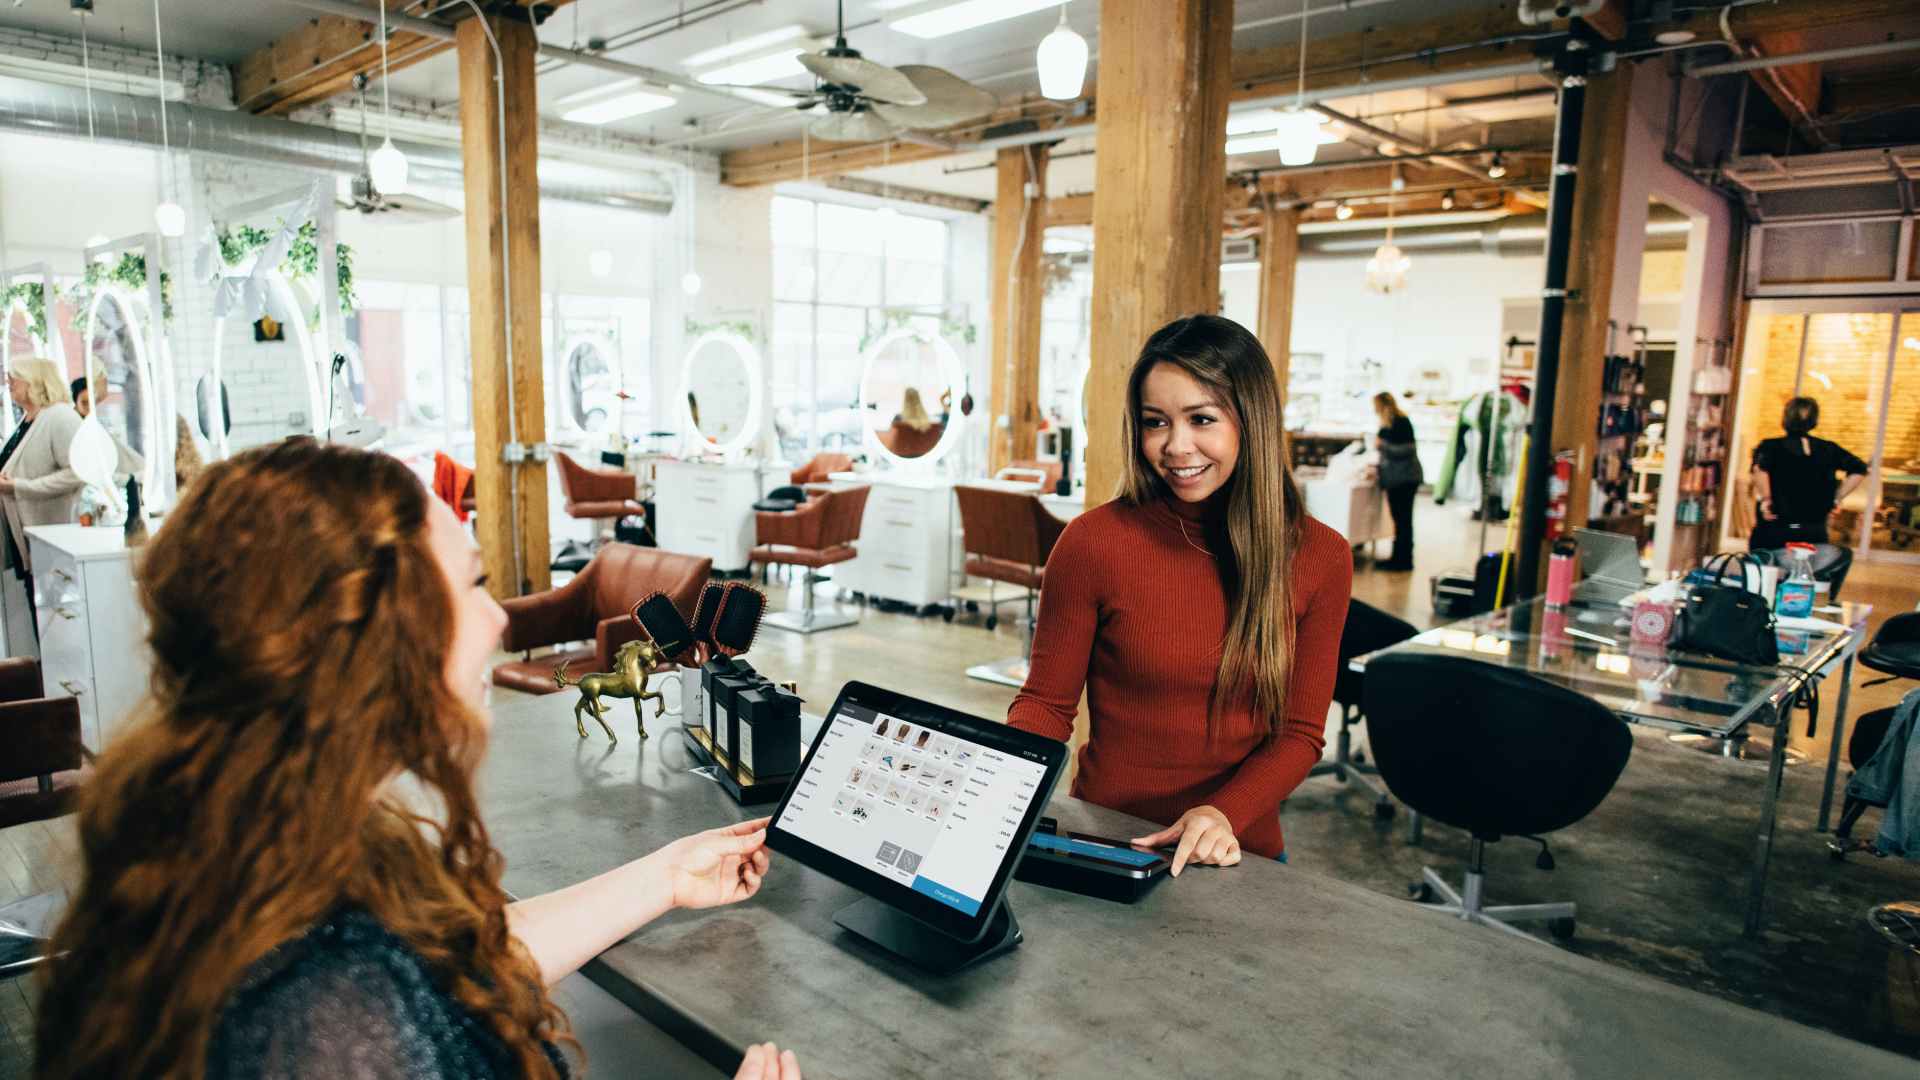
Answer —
(503, 286)
(1158, 194)
(1019, 224)
(1279, 252)
(1590, 274)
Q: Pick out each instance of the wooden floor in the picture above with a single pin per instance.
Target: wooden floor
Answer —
(1815, 974)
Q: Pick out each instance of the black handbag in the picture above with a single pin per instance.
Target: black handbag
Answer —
(1728, 621)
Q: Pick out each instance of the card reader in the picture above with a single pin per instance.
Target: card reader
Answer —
(1090, 865)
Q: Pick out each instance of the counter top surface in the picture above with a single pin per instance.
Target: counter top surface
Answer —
(1262, 969)
(83, 542)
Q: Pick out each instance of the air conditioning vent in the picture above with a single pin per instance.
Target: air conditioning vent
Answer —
(1240, 251)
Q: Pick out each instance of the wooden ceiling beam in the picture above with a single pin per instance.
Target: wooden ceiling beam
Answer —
(1749, 21)
(817, 159)
(321, 59)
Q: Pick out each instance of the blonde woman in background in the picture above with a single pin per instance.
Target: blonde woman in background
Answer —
(37, 483)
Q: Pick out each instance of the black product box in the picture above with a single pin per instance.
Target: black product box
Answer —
(709, 671)
(726, 691)
(768, 726)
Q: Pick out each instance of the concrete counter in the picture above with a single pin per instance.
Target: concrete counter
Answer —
(1257, 970)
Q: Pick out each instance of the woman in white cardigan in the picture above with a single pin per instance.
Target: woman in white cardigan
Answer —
(37, 483)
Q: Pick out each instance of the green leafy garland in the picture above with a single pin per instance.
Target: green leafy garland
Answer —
(742, 327)
(130, 273)
(239, 242)
(35, 297)
(952, 329)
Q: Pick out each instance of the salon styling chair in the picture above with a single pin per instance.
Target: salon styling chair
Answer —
(594, 607)
(1008, 536)
(820, 469)
(40, 772)
(816, 534)
(1496, 752)
(596, 495)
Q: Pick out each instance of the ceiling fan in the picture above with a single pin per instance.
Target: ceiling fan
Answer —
(361, 195)
(857, 100)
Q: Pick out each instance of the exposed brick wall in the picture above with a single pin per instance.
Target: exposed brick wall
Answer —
(203, 83)
(1850, 350)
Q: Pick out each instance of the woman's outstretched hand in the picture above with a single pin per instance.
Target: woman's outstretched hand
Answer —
(719, 866)
(1204, 835)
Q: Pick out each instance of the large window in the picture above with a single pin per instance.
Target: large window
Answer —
(840, 275)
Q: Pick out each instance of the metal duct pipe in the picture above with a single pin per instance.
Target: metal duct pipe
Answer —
(1847, 52)
(1494, 238)
(37, 108)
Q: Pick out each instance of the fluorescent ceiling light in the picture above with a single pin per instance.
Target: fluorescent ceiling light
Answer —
(1248, 121)
(64, 74)
(758, 59)
(613, 101)
(941, 19)
(765, 97)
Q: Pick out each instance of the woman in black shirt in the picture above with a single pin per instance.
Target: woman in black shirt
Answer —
(1799, 479)
(1400, 476)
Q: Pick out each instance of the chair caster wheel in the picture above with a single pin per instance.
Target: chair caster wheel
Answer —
(1561, 928)
(946, 614)
(1420, 893)
(973, 607)
(992, 621)
(1836, 852)
(1383, 811)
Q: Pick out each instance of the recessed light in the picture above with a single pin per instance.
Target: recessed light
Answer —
(941, 19)
(617, 100)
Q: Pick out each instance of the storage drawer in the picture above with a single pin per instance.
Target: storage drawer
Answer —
(897, 580)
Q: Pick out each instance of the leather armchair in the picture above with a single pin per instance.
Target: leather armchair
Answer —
(41, 771)
(595, 606)
(820, 468)
(1008, 536)
(819, 532)
(594, 494)
(1051, 470)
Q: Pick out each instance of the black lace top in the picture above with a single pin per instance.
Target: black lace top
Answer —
(349, 999)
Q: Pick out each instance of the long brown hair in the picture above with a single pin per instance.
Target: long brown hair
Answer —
(299, 624)
(1387, 409)
(1264, 508)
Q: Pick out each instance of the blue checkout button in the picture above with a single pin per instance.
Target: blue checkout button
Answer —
(949, 897)
(1125, 856)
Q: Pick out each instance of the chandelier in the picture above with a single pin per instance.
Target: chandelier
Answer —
(1387, 270)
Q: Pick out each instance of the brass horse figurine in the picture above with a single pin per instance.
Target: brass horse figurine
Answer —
(631, 664)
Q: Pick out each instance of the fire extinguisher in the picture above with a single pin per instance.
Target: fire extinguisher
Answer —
(1558, 485)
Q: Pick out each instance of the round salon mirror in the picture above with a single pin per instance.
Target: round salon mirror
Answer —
(909, 395)
(264, 352)
(720, 399)
(121, 380)
(18, 342)
(590, 400)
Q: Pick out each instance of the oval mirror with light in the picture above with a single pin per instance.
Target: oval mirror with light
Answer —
(908, 395)
(268, 355)
(720, 399)
(591, 400)
(21, 342)
(122, 380)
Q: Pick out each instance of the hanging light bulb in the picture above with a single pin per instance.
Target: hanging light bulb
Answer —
(1343, 211)
(690, 283)
(1298, 129)
(1387, 270)
(1446, 201)
(600, 262)
(387, 168)
(1062, 60)
(1498, 169)
(170, 218)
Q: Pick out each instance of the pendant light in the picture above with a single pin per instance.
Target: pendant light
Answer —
(387, 167)
(1298, 128)
(168, 217)
(1062, 60)
(1387, 270)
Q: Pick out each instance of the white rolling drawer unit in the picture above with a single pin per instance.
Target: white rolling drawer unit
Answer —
(703, 509)
(93, 633)
(906, 540)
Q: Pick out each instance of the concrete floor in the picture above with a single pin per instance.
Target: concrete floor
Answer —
(1659, 871)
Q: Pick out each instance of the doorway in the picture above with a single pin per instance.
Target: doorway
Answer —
(1860, 359)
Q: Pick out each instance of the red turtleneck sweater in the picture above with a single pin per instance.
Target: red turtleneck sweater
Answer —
(1134, 611)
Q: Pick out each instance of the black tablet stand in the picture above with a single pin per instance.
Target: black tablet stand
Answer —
(921, 945)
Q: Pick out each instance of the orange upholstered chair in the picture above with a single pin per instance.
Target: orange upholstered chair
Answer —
(1008, 536)
(595, 607)
(818, 533)
(596, 494)
(821, 468)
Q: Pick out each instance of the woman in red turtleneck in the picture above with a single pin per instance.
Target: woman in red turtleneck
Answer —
(1201, 610)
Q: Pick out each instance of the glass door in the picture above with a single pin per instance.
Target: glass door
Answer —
(1860, 359)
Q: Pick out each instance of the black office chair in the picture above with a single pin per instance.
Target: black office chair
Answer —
(1368, 630)
(1497, 752)
(1895, 653)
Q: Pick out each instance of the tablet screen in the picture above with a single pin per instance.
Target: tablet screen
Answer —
(920, 798)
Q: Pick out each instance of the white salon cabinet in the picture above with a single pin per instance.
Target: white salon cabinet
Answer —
(93, 633)
(706, 509)
(906, 539)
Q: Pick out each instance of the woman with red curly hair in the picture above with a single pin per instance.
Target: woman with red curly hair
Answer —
(286, 874)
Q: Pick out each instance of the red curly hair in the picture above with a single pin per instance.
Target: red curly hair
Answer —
(299, 624)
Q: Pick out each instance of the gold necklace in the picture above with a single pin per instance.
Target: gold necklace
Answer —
(1182, 522)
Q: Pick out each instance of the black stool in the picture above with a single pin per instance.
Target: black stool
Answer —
(1368, 630)
(1497, 752)
(1895, 653)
